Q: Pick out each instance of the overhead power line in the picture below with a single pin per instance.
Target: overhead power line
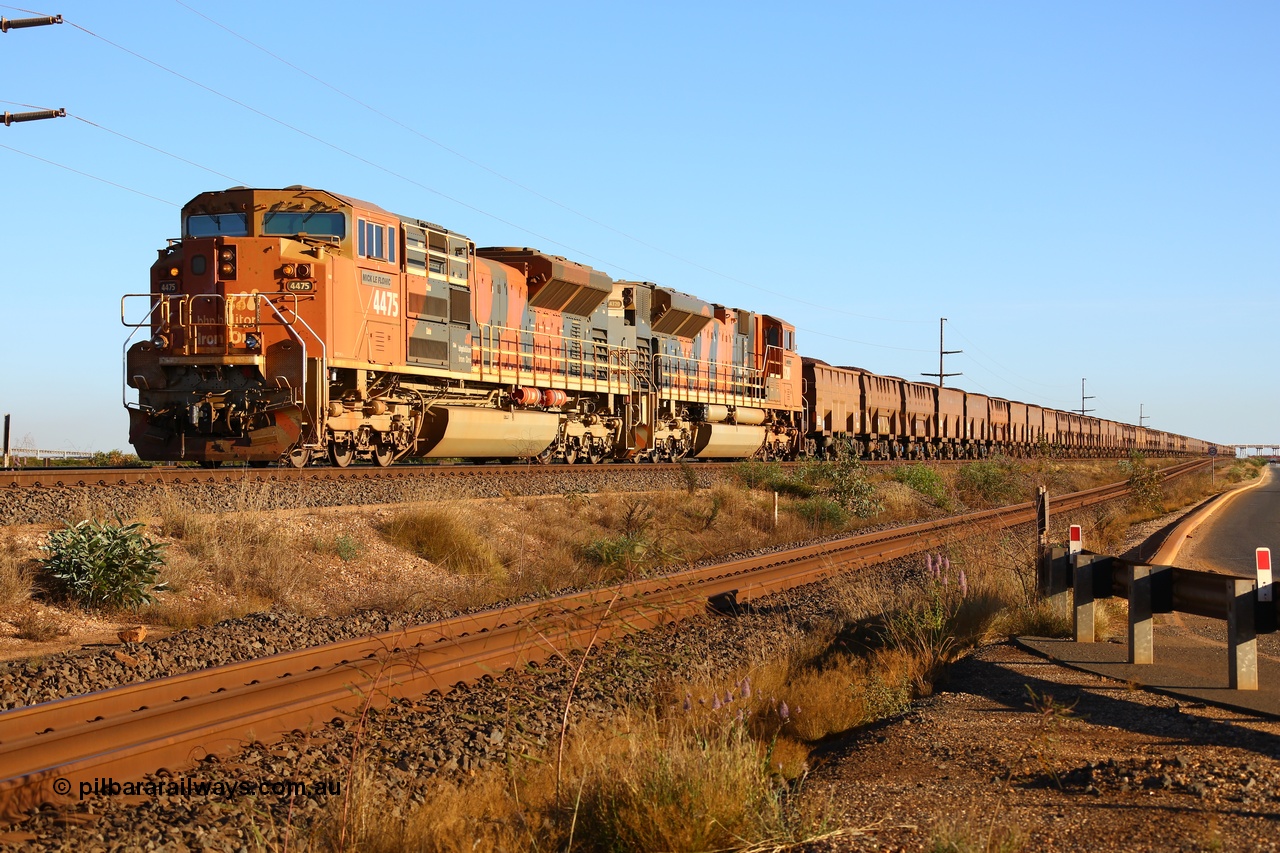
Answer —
(520, 185)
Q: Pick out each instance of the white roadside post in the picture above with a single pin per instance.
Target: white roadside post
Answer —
(1081, 587)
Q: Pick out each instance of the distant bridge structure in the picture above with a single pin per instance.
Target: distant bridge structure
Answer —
(1269, 449)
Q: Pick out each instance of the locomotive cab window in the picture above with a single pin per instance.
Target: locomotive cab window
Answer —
(217, 224)
(286, 223)
(376, 241)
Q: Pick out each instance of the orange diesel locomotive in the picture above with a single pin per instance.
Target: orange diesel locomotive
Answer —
(289, 323)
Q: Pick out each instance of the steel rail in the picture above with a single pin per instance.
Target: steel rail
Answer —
(135, 729)
(174, 475)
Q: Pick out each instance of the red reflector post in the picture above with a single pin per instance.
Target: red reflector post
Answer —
(1076, 543)
(1262, 557)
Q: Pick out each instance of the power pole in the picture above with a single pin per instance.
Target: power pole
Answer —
(1141, 416)
(943, 351)
(1083, 397)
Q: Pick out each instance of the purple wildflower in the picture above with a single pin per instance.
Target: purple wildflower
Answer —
(688, 703)
(928, 562)
(715, 706)
(784, 713)
(746, 687)
(728, 696)
(964, 584)
(946, 564)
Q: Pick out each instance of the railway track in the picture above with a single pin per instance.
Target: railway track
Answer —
(135, 729)
(177, 475)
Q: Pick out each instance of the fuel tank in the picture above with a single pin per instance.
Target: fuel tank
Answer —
(726, 441)
(464, 431)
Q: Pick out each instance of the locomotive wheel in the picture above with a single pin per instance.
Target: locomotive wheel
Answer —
(546, 456)
(298, 457)
(570, 454)
(596, 454)
(383, 454)
(341, 454)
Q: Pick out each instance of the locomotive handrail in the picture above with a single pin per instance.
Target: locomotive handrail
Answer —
(722, 381)
(124, 356)
(509, 359)
(146, 320)
(324, 350)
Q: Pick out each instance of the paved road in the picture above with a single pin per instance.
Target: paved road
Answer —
(1226, 542)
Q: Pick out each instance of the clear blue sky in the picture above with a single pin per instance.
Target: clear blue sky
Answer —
(1084, 189)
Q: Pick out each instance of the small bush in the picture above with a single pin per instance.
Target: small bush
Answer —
(1146, 485)
(624, 552)
(115, 459)
(346, 548)
(690, 476)
(103, 564)
(926, 481)
(851, 488)
(822, 513)
(989, 481)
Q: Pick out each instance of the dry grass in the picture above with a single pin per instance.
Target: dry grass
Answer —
(713, 761)
(17, 574)
(446, 538)
(451, 555)
(229, 564)
(636, 782)
(38, 626)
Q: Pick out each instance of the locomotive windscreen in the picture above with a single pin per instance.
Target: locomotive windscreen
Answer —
(214, 224)
(286, 223)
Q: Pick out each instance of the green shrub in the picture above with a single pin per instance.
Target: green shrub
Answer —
(752, 473)
(925, 480)
(103, 564)
(988, 481)
(1146, 484)
(821, 512)
(850, 487)
(625, 552)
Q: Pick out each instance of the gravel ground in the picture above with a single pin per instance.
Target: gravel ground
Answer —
(100, 667)
(415, 739)
(1124, 770)
(52, 505)
(486, 722)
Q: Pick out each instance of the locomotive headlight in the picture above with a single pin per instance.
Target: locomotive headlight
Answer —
(227, 262)
(304, 270)
(174, 272)
(288, 270)
(252, 341)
